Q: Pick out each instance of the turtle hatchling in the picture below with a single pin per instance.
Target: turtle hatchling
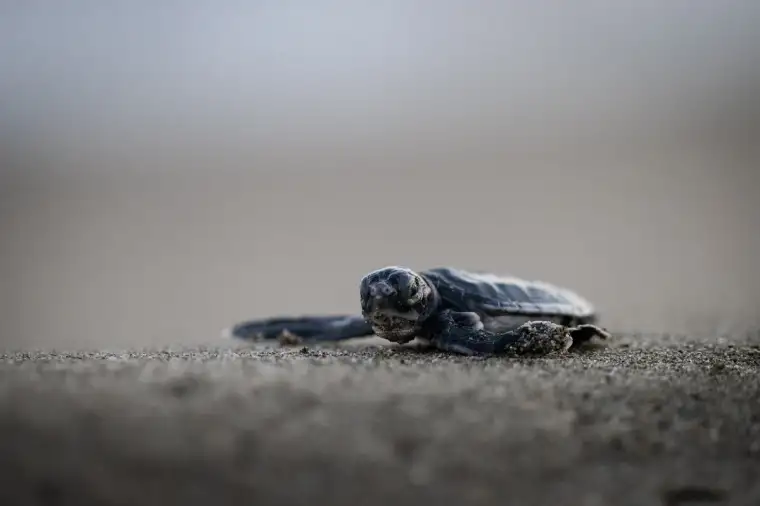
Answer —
(448, 309)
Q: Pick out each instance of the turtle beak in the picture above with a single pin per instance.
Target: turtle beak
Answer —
(380, 295)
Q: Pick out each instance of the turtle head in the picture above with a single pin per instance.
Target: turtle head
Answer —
(396, 301)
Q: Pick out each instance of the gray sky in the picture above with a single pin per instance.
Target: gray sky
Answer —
(253, 77)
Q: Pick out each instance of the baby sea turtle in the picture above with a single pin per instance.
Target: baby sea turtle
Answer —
(449, 309)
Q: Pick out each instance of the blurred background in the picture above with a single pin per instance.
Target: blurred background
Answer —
(168, 168)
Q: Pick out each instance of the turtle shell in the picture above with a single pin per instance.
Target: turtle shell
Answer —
(492, 295)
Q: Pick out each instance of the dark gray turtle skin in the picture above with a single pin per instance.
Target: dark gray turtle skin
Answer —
(449, 309)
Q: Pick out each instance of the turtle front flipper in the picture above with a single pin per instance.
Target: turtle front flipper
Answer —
(463, 333)
(297, 329)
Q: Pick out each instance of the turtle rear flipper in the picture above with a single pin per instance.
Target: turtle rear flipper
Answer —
(582, 334)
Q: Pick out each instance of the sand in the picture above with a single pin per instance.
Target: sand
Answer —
(646, 420)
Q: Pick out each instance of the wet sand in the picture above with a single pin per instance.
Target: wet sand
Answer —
(646, 420)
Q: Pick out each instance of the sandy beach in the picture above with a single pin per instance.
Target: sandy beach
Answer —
(645, 420)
